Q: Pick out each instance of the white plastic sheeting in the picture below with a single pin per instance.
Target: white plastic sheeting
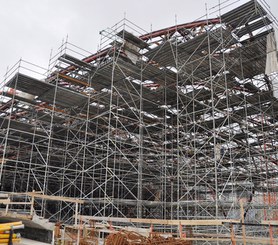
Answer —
(271, 54)
(271, 68)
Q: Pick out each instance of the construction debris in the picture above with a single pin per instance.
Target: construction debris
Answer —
(7, 235)
(129, 238)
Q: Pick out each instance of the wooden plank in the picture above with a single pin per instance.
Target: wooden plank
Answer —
(4, 195)
(255, 240)
(55, 198)
(4, 201)
(15, 203)
(32, 210)
(73, 80)
(271, 235)
(213, 222)
(11, 223)
(269, 222)
(242, 220)
(233, 235)
(5, 241)
(11, 227)
(16, 215)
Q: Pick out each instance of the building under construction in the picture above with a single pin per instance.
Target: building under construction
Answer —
(173, 130)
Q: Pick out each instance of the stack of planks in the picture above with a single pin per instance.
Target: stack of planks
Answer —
(7, 235)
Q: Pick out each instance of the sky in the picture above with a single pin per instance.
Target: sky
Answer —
(30, 29)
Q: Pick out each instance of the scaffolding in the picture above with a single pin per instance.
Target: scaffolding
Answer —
(176, 124)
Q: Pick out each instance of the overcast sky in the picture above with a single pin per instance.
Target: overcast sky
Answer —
(31, 28)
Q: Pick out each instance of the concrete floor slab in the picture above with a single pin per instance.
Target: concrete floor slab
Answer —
(25, 241)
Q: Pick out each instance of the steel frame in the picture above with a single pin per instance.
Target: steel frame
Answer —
(175, 124)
